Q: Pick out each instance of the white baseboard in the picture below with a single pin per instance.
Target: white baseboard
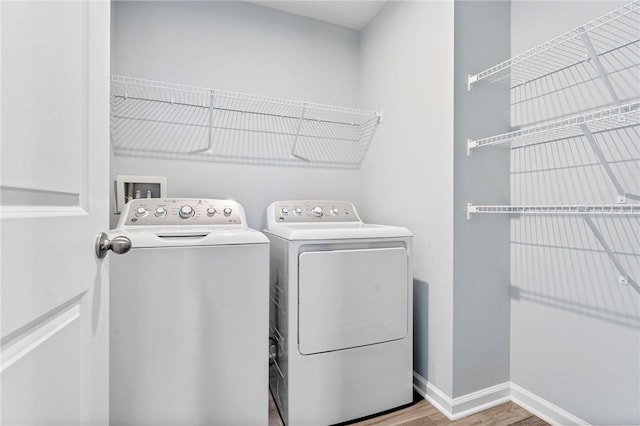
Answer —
(457, 408)
(435, 396)
(542, 408)
(463, 406)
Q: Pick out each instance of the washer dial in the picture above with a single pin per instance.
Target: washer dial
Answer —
(186, 211)
(141, 212)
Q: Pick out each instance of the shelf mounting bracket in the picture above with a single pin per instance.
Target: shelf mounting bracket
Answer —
(622, 195)
(595, 60)
(623, 277)
(295, 141)
(210, 139)
(470, 80)
(470, 145)
(470, 210)
(209, 149)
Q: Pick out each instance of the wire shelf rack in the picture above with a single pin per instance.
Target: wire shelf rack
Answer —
(617, 29)
(598, 121)
(165, 120)
(572, 210)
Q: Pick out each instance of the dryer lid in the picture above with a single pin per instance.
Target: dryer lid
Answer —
(323, 219)
(337, 231)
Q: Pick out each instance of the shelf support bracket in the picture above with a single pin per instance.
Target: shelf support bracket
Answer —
(595, 60)
(209, 149)
(470, 80)
(623, 278)
(295, 141)
(622, 195)
(470, 145)
(470, 210)
(210, 138)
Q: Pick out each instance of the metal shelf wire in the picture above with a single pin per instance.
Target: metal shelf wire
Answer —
(598, 121)
(572, 210)
(164, 120)
(618, 29)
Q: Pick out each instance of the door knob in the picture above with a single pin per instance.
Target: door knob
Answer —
(118, 245)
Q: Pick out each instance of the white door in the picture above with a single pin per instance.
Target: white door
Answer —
(53, 202)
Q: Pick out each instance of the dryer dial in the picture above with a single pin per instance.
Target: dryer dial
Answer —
(316, 211)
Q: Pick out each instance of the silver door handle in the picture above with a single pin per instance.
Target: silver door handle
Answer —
(119, 245)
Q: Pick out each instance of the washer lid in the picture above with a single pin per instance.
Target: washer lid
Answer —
(177, 222)
(189, 237)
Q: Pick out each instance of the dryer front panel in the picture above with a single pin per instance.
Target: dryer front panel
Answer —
(351, 298)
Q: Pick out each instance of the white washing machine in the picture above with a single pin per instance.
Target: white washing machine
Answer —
(189, 316)
(341, 313)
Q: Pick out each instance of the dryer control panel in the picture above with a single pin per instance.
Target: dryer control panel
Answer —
(181, 211)
(314, 211)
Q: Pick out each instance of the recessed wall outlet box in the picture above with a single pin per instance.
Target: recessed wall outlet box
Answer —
(129, 187)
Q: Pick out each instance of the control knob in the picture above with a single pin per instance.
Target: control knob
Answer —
(334, 211)
(141, 212)
(316, 211)
(227, 211)
(211, 211)
(284, 211)
(185, 212)
(297, 211)
(160, 212)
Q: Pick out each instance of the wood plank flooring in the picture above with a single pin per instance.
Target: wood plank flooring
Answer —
(421, 413)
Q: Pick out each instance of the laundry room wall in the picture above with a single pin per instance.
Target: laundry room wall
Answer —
(415, 176)
(406, 67)
(481, 303)
(575, 332)
(240, 47)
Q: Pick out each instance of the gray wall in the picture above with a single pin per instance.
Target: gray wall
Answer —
(575, 333)
(241, 47)
(481, 300)
(406, 68)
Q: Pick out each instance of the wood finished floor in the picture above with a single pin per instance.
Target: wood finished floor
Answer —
(421, 413)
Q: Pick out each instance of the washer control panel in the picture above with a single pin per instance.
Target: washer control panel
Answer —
(181, 211)
(301, 211)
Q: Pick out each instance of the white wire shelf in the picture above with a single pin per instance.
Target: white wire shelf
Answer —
(165, 120)
(598, 121)
(617, 29)
(571, 210)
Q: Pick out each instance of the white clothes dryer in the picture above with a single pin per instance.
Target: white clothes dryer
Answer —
(189, 316)
(341, 313)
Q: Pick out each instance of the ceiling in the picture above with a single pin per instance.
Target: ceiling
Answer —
(350, 14)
